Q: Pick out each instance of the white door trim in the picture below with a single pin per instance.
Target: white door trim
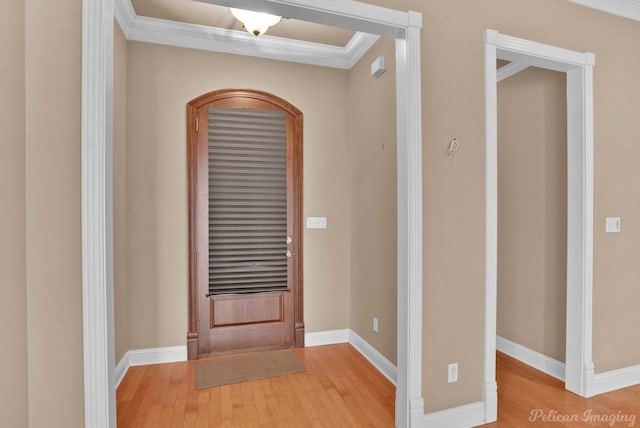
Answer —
(409, 402)
(97, 218)
(97, 223)
(579, 69)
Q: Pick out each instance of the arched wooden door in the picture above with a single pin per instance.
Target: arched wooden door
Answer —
(245, 223)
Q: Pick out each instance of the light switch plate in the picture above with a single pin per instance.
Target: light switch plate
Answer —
(316, 222)
(452, 372)
(613, 225)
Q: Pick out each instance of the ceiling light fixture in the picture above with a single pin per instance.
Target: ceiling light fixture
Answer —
(255, 22)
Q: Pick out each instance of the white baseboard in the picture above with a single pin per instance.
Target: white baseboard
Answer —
(531, 358)
(379, 361)
(490, 398)
(467, 416)
(332, 337)
(169, 354)
(615, 379)
(121, 368)
(600, 383)
(141, 357)
(172, 354)
(329, 337)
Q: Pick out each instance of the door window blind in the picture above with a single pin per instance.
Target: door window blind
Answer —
(247, 201)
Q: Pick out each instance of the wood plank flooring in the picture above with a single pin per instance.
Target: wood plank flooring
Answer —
(340, 388)
(530, 398)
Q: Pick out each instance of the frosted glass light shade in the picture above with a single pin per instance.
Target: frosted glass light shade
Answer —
(255, 22)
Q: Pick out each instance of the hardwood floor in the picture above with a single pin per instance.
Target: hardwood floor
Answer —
(340, 388)
(529, 398)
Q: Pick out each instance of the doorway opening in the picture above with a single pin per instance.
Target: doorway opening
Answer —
(578, 67)
(97, 178)
(532, 218)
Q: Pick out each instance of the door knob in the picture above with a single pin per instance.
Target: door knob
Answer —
(288, 254)
(288, 240)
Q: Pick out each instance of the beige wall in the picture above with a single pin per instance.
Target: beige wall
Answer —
(532, 210)
(453, 189)
(453, 106)
(120, 193)
(161, 81)
(13, 320)
(372, 139)
(53, 226)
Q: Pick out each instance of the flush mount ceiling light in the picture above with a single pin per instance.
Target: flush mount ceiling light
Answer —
(255, 22)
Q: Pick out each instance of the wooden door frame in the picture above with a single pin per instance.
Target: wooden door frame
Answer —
(295, 185)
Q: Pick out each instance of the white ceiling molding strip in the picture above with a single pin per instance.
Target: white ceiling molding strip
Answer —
(509, 70)
(152, 30)
(192, 36)
(125, 14)
(359, 45)
(625, 8)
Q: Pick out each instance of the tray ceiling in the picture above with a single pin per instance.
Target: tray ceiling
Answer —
(194, 12)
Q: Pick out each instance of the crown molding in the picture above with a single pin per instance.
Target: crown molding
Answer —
(359, 45)
(152, 30)
(125, 14)
(625, 8)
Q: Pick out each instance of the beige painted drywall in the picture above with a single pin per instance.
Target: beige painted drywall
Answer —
(161, 81)
(372, 141)
(13, 320)
(454, 192)
(53, 213)
(453, 106)
(120, 289)
(532, 211)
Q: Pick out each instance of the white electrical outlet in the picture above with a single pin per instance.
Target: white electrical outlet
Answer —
(375, 325)
(453, 372)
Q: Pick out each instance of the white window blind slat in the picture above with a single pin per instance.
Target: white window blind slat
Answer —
(247, 201)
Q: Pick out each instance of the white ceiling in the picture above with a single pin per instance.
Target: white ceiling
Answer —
(210, 15)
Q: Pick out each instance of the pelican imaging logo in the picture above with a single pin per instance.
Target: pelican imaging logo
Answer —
(588, 416)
